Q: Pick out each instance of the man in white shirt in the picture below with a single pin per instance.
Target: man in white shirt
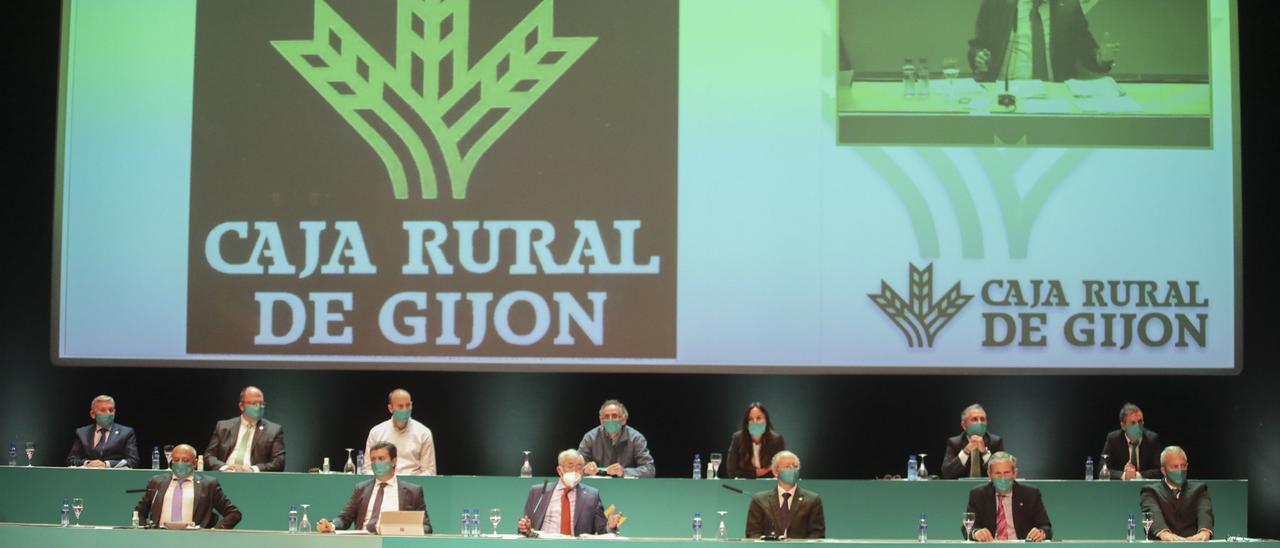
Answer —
(413, 441)
(786, 511)
(248, 443)
(183, 496)
(384, 493)
(1046, 40)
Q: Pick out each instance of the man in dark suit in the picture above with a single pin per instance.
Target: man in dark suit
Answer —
(786, 511)
(968, 453)
(1005, 509)
(569, 508)
(1132, 452)
(105, 443)
(1045, 40)
(366, 505)
(248, 443)
(182, 496)
(1180, 509)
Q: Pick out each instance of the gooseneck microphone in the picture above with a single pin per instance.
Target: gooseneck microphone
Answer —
(533, 532)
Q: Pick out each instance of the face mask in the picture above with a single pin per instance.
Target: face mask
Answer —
(789, 475)
(756, 429)
(1134, 431)
(254, 411)
(1176, 476)
(402, 415)
(1003, 485)
(976, 429)
(381, 468)
(181, 469)
(571, 479)
(104, 419)
(612, 427)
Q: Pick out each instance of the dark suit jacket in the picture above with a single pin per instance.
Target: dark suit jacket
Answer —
(1116, 448)
(1072, 49)
(952, 468)
(1028, 510)
(208, 497)
(738, 463)
(268, 445)
(1183, 515)
(411, 498)
(121, 445)
(807, 517)
(588, 512)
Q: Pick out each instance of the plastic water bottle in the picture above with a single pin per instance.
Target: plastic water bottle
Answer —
(199, 463)
(923, 535)
(697, 466)
(1088, 469)
(697, 526)
(360, 462)
(475, 522)
(922, 76)
(913, 468)
(13, 454)
(293, 519)
(65, 520)
(1128, 534)
(465, 527)
(324, 467)
(155, 458)
(133, 521)
(908, 78)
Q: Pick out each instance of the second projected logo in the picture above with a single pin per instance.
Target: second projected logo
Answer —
(391, 194)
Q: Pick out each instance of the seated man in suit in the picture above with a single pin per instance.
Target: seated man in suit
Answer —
(1180, 509)
(1131, 451)
(614, 448)
(569, 508)
(1046, 40)
(1005, 509)
(105, 443)
(366, 504)
(182, 496)
(248, 443)
(968, 453)
(786, 510)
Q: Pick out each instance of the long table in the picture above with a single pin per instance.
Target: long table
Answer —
(654, 507)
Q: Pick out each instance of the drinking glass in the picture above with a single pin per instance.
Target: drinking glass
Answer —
(922, 473)
(968, 526)
(526, 471)
(1146, 526)
(721, 532)
(31, 452)
(495, 517)
(168, 452)
(716, 459)
(350, 466)
(304, 526)
(77, 507)
(951, 71)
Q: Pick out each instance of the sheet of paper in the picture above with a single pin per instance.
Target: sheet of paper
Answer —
(1098, 87)
(1044, 106)
(1025, 88)
(963, 86)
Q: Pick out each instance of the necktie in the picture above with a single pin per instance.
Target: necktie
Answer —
(1039, 61)
(784, 513)
(1002, 523)
(566, 515)
(372, 526)
(175, 508)
(243, 447)
(1133, 454)
(975, 464)
(102, 442)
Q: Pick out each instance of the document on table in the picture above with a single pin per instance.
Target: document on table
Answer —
(1025, 88)
(1044, 106)
(1098, 87)
(961, 86)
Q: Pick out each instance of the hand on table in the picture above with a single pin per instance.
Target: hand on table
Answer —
(614, 469)
(324, 526)
(1130, 472)
(590, 469)
(95, 464)
(1035, 535)
(522, 525)
(980, 60)
(983, 535)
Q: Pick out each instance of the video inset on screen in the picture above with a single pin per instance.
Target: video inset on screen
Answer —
(1120, 73)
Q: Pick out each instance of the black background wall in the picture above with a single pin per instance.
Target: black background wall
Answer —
(842, 426)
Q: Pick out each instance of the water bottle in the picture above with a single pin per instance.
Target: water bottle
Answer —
(293, 519)
(923, 535)
(133, 522)
(65, 520)
(1088, 469)
(697, 466)
(475, 522)
(199, 463)
(324, 468)
(155, 458)
(697, 526)
(13, 454)
(1128, 534)
(908, 78)
(913, 468)
(465, 523)
(922, 75)
(360, 462)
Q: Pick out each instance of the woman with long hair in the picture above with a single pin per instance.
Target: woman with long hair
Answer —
(752, 447)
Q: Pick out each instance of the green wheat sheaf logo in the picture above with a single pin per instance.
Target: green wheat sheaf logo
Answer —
(920, 317)
(439, 106)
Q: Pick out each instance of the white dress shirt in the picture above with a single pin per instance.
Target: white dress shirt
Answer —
(248, 451)
(390, 499)
(755, 456)
(188, 501)
(1017, 60)
(551, 523)
(791, 501)
(415, 449)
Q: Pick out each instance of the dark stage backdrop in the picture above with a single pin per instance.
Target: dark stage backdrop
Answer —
(842, 426)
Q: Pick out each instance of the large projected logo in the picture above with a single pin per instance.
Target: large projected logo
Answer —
(465, 108)
(919, 317)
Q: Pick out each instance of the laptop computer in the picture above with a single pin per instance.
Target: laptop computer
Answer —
(401, 523)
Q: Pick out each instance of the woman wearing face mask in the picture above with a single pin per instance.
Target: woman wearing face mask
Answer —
(752, 447)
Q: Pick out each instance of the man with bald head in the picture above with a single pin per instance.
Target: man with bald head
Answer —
(248, 443)
(413, 441)
(182, 495)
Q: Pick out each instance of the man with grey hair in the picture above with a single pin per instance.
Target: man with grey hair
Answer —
(569, 508)
(967, 454)
(1130, 452)
(786, 511)
(1005, 509)
(105, 443)
(1180, 509)
(614, 448)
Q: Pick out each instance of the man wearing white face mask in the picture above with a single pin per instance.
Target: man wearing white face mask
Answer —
(569, 508)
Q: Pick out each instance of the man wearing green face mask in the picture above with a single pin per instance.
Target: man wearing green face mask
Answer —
(248, 443)
(383, 493)
(967, 454)
(787, 510)
(1132, 451)
(185, 496)
(614, 448)
(1180, 509)
(1005, 509)
(105, 443)
(414, 444)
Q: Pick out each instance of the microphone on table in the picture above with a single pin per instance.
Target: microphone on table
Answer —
(533, 532)
(1007, 99)
(770, 536)
(732, 488)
